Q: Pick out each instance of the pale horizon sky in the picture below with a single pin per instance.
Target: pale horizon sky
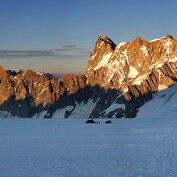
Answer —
(58, 36)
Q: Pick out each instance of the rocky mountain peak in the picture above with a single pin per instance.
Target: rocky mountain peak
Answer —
(30, 75)
(107, 40)
(104, 47)
(168, 37)
(137, 41)
(117, 81)
(3, 74)
(139, 67)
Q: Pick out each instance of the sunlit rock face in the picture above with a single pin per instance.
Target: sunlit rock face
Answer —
(119, 66)
(117, 81)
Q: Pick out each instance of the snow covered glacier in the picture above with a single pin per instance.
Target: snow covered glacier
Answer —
(69, 147)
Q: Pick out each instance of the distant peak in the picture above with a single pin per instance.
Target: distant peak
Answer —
(164, 37)
(104, 37)
(1, 68)
(107, 40)
(3, 73)
(138, 38)
(169, 36)
(138, 41)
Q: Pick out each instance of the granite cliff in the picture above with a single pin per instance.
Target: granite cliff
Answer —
(118, 80)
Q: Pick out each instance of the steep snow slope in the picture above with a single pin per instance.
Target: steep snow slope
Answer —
(163, 104)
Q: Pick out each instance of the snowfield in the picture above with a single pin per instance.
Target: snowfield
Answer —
(69, 147)
(163, 104)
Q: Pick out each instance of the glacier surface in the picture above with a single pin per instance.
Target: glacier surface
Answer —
(69, 147)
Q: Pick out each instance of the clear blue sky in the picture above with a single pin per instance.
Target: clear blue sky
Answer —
(58, 35)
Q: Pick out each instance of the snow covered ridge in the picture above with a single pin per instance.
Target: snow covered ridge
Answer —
(120, 45)
(154, 40)
(119, 80)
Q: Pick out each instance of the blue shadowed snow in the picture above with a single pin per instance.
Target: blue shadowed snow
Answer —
(69, 147)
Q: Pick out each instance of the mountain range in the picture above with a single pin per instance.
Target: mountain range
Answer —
(118, 81)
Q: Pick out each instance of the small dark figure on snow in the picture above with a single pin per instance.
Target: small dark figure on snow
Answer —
(108, 122)
(91, 121)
